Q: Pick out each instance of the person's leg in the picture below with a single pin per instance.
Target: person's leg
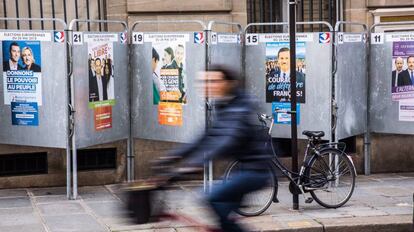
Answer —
(226, 198)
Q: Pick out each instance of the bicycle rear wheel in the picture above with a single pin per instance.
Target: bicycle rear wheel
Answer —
(332, 176)
(254, 203)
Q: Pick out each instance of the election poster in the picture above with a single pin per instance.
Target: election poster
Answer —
(22, 74)
(278, 72)
(280, 113)
(22, 80)
(170, 114)
(101, 78)
(402, 77)
(406, 110)
(168, 64)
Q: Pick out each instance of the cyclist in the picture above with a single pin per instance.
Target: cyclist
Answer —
(232, 134)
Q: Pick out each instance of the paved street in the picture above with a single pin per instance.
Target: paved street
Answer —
(380, 203)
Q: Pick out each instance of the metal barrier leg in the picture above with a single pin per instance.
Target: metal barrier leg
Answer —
(367, 154)
(68, 174)
(74, 170)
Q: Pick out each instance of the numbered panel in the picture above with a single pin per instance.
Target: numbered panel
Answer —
(33, 99)
(351, 87)
(268, 76)
(391, 85)
(100, 73)
(166, 104)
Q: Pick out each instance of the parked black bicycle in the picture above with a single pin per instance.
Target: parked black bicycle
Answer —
(327, 174)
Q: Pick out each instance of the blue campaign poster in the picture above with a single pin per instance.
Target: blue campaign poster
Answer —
(284, 118)
(26, 55)
(25, 113)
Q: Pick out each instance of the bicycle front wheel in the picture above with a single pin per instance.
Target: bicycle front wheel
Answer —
(331, 178)
(254, 203)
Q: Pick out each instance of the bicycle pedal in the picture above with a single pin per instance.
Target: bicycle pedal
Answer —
(309, 200)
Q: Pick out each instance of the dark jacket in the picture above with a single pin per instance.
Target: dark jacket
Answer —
(404, 78)
(94, 90)
(231, 135)
(34, 67)
(6, 66)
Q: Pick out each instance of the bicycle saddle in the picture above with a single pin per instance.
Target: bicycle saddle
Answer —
(314, 134)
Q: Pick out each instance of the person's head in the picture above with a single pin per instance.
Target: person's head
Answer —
(219, 81)
(14, 51)
(155, 59)
(399, 63)
(168, 55)
(410, 63)
(98, 66)
(179, 54)
(27, 56)
(283, 59)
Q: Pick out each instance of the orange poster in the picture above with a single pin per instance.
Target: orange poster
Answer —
(170, 114)
(103, 117)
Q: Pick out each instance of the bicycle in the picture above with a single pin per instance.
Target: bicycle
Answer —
(327, 173)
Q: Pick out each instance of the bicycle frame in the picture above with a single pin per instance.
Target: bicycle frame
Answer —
(313, 148)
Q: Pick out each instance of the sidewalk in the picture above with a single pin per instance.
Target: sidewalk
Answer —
(380, 203)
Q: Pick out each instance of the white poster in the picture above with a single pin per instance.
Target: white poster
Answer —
(406, 110)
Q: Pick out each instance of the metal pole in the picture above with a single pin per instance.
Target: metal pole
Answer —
(207, 165)
(42, 25)
(99, 14)
(87, 14)
(5, 13)
(65, 11)
(294, 145)
(53, 14)
(105, 14)
(29, 11)
(17, 13)
(367, 135)
(76, 14)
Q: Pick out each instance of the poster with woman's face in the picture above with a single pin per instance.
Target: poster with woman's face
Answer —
(169, 71)
(101, 72)
(22, 77)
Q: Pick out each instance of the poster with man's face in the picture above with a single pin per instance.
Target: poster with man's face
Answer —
(22, 77)
(278, 72)
(402, 76)
(101, 72)
(168, 66)
(101, 83)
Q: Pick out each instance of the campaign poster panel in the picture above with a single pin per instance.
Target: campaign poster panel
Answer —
(402, 78)
(101, 82)
(170, 114)
(169, 67)
(22, 73)
(280, 113)
(169, 82)
(278, 72)
(25, 113)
